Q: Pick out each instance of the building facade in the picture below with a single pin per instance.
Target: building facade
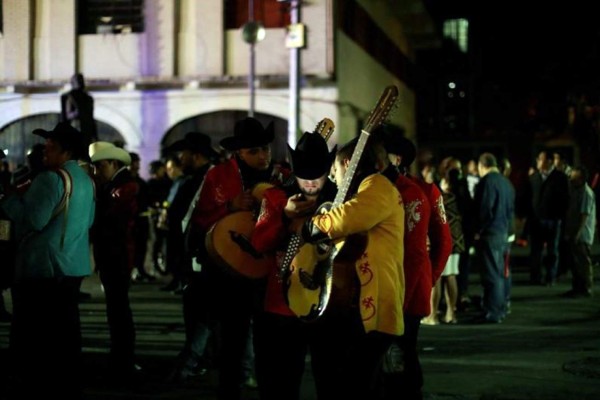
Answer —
(178, 65)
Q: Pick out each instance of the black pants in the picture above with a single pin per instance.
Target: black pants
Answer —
(237, 301)
(346, 361)
(45, 337)
(120, 321)
(281, 345)
(411, 381)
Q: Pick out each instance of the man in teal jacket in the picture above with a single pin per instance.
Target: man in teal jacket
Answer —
(52, 219)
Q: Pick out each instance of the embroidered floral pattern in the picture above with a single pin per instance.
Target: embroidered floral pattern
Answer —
(366, 274)
(413, 214)
(441, 211)
(325, 223)
(368, 304)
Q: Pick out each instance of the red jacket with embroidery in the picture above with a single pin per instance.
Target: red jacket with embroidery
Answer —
(222, 184)
(269, 234)
(417, 264)
(439, 231)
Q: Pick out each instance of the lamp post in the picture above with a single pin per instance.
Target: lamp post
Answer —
(294, 110)
(252, 32)
(295, 41)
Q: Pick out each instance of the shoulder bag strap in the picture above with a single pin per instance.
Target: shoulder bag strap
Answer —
(64, 202)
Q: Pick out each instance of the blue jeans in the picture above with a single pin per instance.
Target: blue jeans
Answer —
(490, 253)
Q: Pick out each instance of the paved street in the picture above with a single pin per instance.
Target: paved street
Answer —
(547, 349)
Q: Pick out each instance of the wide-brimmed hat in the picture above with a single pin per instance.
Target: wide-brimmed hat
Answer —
(248, 133)
(67, 136)
(108, 151)
(311, 159)
(196, 142)
(395, 142)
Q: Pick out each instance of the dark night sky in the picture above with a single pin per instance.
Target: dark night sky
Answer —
(528, 49)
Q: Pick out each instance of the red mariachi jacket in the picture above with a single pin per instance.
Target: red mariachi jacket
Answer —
(268, 235)
(221, 185)
(112, 232)
(439, 230)
(417, 264)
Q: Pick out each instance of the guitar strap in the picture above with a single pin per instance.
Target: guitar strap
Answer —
(63, 205)
(185, 222)
(64, 202)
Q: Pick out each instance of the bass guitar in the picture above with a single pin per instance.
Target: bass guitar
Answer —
(310, 279)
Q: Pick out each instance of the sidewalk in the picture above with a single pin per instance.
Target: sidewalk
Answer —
(547, 349)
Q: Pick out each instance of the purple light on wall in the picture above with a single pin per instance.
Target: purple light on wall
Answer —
(149, 54)
(154, 113)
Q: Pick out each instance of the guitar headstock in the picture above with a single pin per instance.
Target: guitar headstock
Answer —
(325, 128)
(382, 108)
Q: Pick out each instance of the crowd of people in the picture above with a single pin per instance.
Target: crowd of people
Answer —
(379, 259)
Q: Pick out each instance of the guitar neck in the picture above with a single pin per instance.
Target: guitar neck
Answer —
(343, 190)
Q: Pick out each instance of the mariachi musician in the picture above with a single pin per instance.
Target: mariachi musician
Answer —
(228, 189)
(420, 273)
(282, 339)
(356, 332)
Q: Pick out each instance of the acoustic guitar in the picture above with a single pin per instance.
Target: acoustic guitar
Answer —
(228, 241)
(317, 274)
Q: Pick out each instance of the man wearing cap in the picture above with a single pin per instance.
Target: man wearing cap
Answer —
(114, 246)
(420, 273)
(51, 219)
(226, 190)
(183, 242)
(279, 372)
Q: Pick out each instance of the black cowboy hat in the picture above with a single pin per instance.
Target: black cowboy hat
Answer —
(311, 159)
(248, 133)
(196, 142)
(68, 137)
(394, 142)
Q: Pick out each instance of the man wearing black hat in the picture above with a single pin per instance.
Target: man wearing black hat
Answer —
(279, 372)
(227, 189)
(425, 218)
(183, 242)
(52, 219)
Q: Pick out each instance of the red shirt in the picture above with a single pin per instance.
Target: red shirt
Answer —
(439, 230)
(417, 265)
(269, 235)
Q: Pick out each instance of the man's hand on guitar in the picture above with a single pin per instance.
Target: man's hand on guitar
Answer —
(311, 234)
(298, 206)
(243, 202)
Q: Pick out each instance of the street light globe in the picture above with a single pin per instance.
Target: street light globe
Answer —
(253, 31)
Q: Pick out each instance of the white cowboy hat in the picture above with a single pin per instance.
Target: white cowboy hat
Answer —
(108, 151)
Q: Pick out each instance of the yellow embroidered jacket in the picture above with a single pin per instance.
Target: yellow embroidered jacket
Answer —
(378, 210)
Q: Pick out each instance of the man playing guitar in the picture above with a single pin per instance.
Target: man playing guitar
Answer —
(282, 339)
(226, 190)
(354, 334)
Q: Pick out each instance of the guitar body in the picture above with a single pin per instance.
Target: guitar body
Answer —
(307, 286)
(346, 285)
(228, 244)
